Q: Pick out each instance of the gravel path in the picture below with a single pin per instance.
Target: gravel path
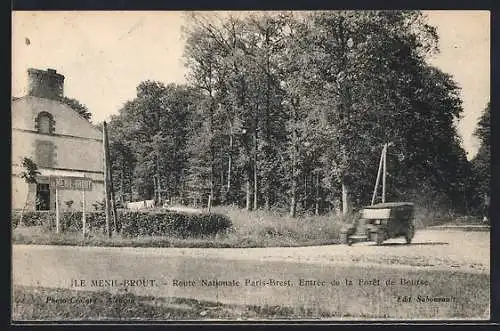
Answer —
(461, 250)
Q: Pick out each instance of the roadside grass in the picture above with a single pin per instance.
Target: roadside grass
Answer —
(425, 217)
(56, 304)
(259, 228)
(250, 229)
(262, 223)
(35, 236)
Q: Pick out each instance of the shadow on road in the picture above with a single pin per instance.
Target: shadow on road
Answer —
(415, 244)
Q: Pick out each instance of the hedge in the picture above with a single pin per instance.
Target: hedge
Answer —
(133, 224)
(69, 221)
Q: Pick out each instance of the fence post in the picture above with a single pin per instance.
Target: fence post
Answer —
(84, 221)
(57, 210)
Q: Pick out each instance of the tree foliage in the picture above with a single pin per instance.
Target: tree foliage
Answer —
(148, 141)
(29, 171)
(482, 161)
(291, 111)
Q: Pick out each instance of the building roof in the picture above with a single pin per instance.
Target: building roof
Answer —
(97, 131)
(59, 101)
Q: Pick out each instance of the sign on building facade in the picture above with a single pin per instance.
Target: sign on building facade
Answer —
(72, 183)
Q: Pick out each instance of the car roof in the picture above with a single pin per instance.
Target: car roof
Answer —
(390, 205)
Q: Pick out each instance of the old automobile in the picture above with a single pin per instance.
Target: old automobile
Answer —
(380, 222)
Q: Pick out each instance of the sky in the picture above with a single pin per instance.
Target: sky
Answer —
(105, 55)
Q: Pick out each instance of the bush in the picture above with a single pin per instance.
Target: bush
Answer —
(14, 218)
(72, 221)
(133, 224)
(184, 225)
(32, 218)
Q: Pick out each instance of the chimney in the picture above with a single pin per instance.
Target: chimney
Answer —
(45, 84)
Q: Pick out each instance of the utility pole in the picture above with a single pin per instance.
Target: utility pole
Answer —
(107, 193)
(380, 165)
(84, 219)
(112, 191)
(384, 173)
(57, 209)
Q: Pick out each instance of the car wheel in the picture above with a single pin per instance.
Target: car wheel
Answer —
(409, 234)
(343, 239)
(378, 238)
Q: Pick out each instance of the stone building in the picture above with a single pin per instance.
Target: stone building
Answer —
(61, 142)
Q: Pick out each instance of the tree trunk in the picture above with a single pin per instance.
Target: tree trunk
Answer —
(248, 186)
(157, 175)
(122, 184)
(229, 168)
(209, 207)
(293, 199)
(255, 174)
(306, 196)
(267, 198)
(316, 209)
(211, 196)
(346, 199)
(255, 187)
(212, 152)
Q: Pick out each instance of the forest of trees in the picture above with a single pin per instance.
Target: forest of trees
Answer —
(291, 111)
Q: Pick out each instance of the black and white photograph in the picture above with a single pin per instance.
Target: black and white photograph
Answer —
(321, 165)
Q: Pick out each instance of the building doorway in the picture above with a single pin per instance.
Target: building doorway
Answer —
(42, 197)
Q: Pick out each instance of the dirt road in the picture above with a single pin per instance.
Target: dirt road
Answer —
(453, 265)
(457, 250)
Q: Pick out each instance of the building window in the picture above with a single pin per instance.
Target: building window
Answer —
(45, 153)
(45, 123)
(42, 197)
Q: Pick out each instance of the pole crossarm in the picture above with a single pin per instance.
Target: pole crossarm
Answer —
(382, 171)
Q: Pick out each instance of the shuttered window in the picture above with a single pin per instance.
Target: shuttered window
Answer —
(45, 153)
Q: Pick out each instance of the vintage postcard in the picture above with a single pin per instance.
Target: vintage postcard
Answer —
(250, 166)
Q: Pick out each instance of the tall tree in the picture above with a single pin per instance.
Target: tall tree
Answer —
(201, 52)
(148, 140)
(482, 161)
(268, 42)
(122, 158)
(364, 60)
